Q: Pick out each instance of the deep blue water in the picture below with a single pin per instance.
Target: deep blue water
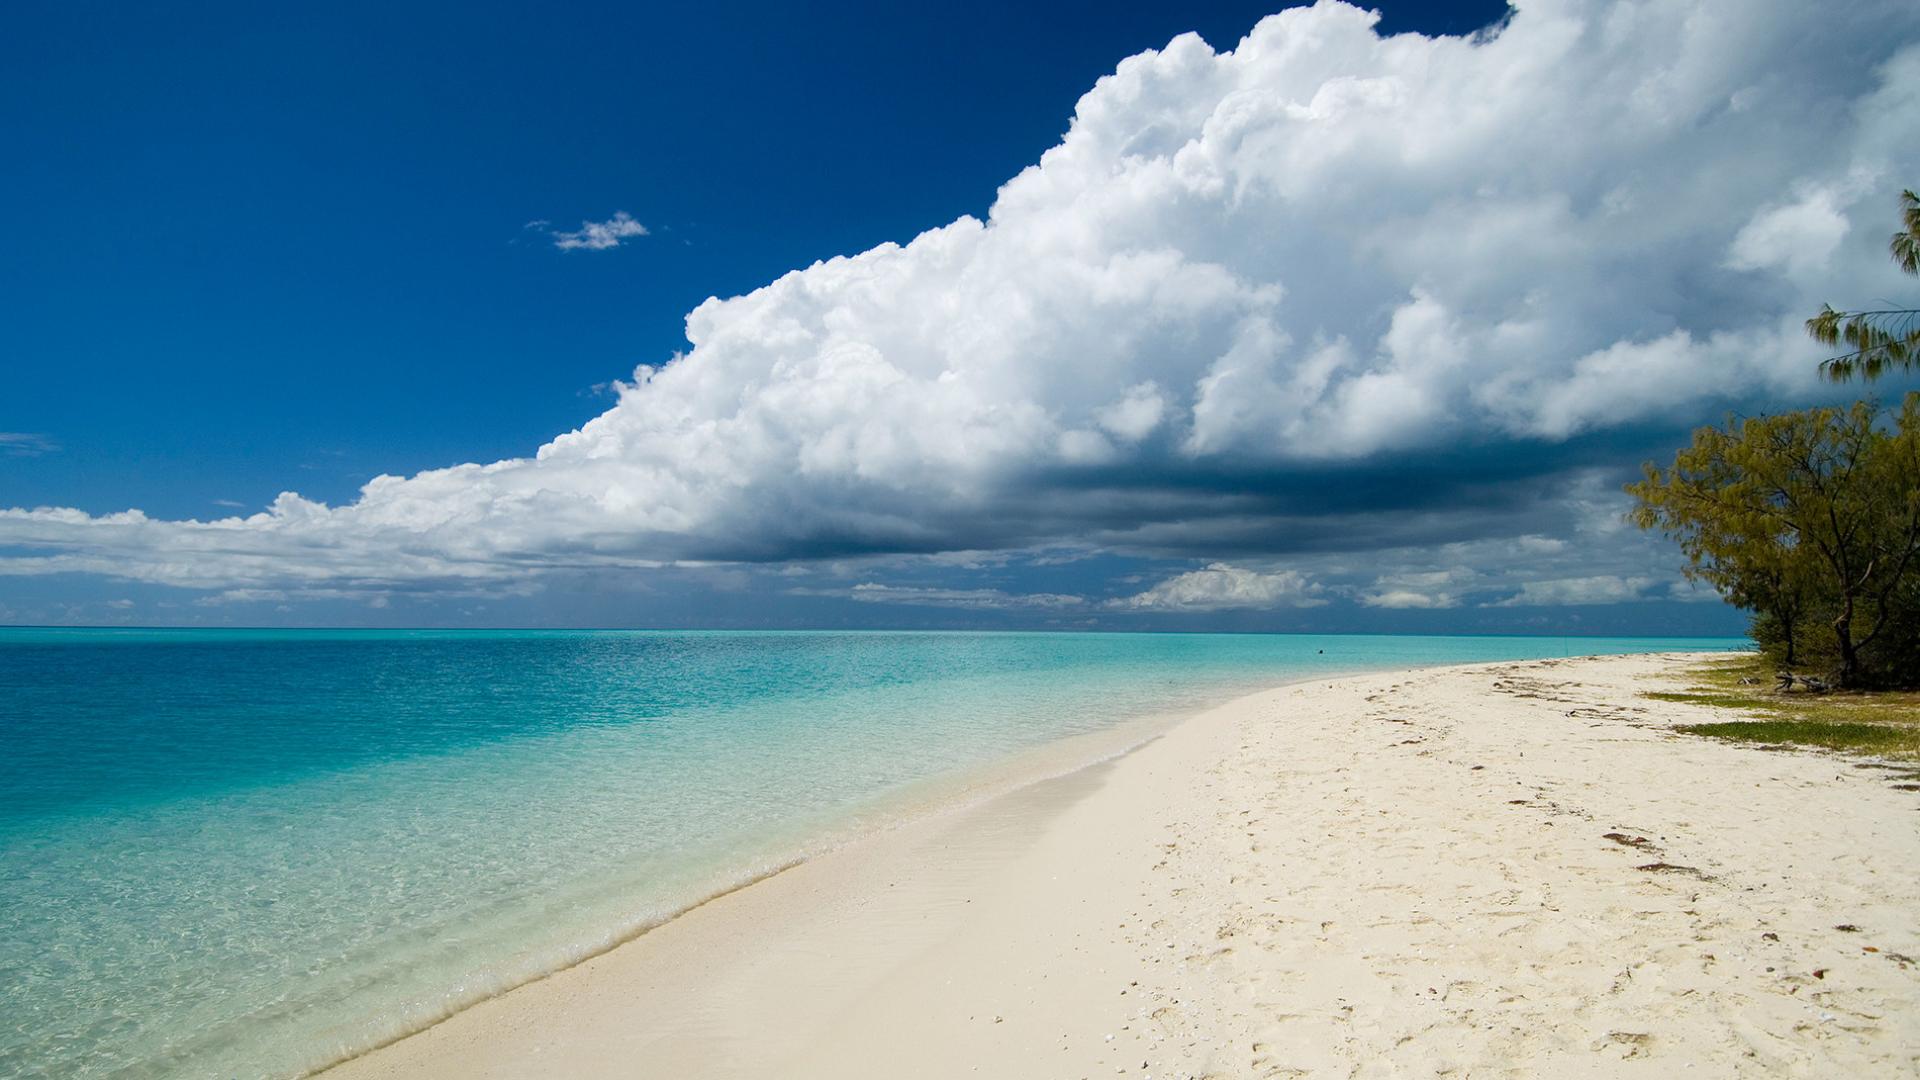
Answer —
(251, 852)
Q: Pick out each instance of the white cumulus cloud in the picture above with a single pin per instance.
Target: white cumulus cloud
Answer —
(1321, 249)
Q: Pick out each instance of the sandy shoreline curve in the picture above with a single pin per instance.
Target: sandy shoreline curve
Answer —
(1493, 869)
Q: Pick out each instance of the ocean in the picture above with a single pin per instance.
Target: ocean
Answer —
(255, 852)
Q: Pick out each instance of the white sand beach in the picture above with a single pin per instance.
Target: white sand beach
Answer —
(1507, 869)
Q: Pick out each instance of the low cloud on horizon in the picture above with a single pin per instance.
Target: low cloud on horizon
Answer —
(1329, 319)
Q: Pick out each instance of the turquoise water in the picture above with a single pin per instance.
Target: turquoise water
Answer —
(250, 853)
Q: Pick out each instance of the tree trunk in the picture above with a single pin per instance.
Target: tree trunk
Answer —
(1849, 661)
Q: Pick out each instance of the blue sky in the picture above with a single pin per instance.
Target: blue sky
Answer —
(255, 251)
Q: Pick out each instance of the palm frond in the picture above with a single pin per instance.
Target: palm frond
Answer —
(1905, 244)
(1881, 341)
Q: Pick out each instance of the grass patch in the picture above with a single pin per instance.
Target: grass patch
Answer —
(1885, 739)
(1882, 723)
(1721, 701)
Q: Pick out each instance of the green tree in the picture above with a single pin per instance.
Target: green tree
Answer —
(1806, 516)
(1882, 339)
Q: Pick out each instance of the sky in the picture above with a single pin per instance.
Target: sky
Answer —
(1123, 316)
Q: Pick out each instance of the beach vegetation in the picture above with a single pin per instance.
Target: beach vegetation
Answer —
(1811, 521)
(1885, 724)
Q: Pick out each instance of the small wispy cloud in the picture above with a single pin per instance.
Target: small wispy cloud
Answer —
(25, 444)
(594, 235)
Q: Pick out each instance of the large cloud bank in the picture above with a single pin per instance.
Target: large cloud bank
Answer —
(1403, 263)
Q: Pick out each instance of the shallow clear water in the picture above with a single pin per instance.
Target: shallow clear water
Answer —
(252, 852)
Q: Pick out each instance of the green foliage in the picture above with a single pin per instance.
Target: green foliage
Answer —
(1812, 521)
(1881, 340)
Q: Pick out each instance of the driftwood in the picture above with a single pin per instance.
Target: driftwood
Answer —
(1813, 685)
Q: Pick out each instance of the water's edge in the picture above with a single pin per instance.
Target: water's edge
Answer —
(265, 853)
(949, 794)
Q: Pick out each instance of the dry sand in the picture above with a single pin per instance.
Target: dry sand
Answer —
(1405, 874)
